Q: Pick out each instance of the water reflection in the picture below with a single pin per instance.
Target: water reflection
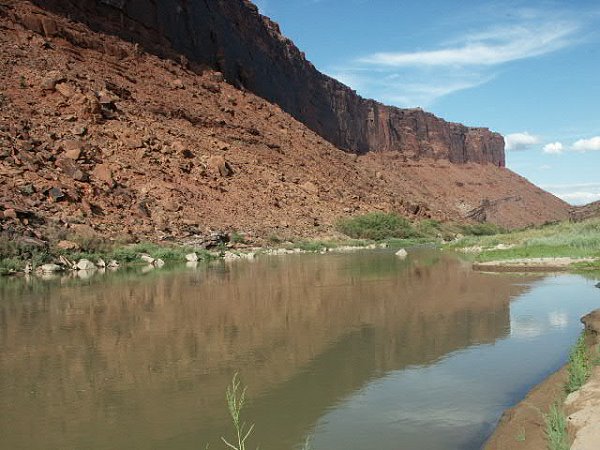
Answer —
(141, 361)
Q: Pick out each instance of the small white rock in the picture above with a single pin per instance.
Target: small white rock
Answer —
(85, 264)
(147, 258)
(158, 263)
(402, 253)
(191, 257)
(49, 268)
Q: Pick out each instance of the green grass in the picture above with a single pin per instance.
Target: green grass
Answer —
(579, 365)
(568, 239)
(556, 429)
(236, 399)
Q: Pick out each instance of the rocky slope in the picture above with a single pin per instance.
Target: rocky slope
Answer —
(100, 138)
(589, 211)
(249, 49)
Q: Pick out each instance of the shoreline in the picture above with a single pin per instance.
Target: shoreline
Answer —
(156, 255)
(523, 426)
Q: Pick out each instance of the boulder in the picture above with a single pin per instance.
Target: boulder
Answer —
(598, 285)
(49, 268)
(158, 263)
(72, 148)
(191, 257)
(65, 90)
(9, 213)
(71, 169)
(402, 253)
(101, 263)
(102, 172)
(56, 194)
(85, 264)
(51, 79)
(219, 165)
(591, 322)
(113, 264)
(67, 245)
(147, 258)
(230, 256)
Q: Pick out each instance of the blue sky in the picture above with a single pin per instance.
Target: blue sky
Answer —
(527, 69)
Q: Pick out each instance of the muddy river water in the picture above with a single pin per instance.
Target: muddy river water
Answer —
(355, 351)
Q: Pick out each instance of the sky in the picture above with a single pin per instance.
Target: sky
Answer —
(529, 70)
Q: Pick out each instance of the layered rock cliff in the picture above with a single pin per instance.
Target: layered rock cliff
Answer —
(251, 52)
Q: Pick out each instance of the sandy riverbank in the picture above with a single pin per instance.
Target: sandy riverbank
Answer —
(523, 426)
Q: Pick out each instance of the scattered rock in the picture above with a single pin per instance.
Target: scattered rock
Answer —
(230, 256)
(72, 149)
(191, 257)
(71, 169)
(67, 263)
(10, 214)
(178, 84)
(27, 189)
(28, 268)
(49, 268)
(402, 253)
(310, 187)
(56, 194)
(158, 263)
(51, 79)
(147, 258)
(67, 245)
(65, 90)
(85, 264)
(100, 263)
(113, 264)
(218, 164)
(103, 173)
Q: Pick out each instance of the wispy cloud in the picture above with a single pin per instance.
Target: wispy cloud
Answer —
(464, 61)
(501, 45)
(520, 141)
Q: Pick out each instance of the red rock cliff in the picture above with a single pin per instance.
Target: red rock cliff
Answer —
(249, 49)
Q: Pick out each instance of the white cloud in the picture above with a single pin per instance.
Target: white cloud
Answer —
(520, 141)
(587, 145)
(553, 148)
(576, 194)
(498, 46)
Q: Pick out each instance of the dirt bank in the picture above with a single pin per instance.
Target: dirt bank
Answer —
(523, 426)
(531, 264)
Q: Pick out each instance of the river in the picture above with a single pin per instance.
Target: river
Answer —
(355, 351)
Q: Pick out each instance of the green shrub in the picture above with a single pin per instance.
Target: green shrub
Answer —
(376, 226)
(579, 365)
(556, 429)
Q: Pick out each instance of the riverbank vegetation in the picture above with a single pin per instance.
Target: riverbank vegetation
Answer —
(380, 226)
(564, 239)
(579, 370)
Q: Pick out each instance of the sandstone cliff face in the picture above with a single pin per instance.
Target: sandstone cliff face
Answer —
(249, 49)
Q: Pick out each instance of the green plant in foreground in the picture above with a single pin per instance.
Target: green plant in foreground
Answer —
(579, 365)
(556, 429)
(236, 397)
